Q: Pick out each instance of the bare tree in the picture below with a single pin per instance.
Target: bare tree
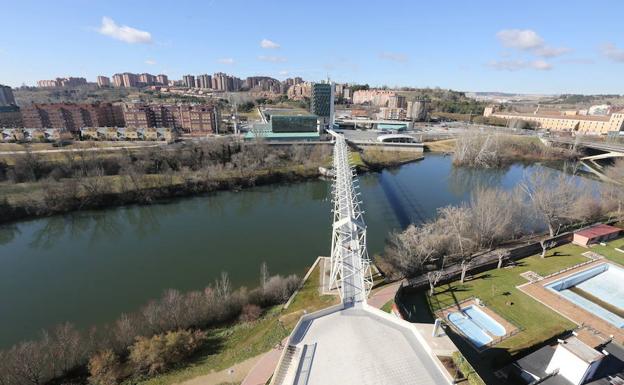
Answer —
(501, 255)
(264, 275)
(551, 197)
(465, 265)
(546, 245)
(434, 277)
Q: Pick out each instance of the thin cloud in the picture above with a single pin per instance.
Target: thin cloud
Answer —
(272, 59)
(523, 39)
(283, 72)
(516, 65)
(612, 52)
(123, 32)
(150, 62)
(268, 44)
(226, 60)
(394, 56)
(529, 41)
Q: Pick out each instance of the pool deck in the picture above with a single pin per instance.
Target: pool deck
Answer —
(510, 329)
(593, 328)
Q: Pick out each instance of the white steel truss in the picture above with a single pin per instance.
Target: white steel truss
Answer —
(350, 263)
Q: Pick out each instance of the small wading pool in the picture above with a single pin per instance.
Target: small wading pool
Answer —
(598, 290)
(477, 326)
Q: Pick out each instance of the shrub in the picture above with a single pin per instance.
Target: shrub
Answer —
(104, 368)
(250, 313)
(158, 353)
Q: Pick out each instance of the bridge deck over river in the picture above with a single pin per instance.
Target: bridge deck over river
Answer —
(353, 343)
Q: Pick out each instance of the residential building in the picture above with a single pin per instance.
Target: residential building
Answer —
(588, 124)
(224, 82)
(199, 119)
(62, 82)
(130, 79)
(162, 79)
(299, 91)
(379, 98)
(189, 81)
(392, 113)
(70, 116)
(322, 102)
(6, 96)
(118, 80)
(103, 81)
(204, 81)
(397, 101)
(263, 83)
(146, 79)
(417, 110)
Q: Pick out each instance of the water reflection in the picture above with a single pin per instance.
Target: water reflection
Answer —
(8, 233)
(463, 180)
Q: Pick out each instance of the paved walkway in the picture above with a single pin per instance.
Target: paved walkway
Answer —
(263, 370)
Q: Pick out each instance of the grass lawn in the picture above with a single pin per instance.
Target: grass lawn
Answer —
(497, 288)
(383, 157)
(610, 252)
(387, 307)
(446, 145)
(230, 345)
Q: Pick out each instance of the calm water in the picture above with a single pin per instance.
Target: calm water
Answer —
(90, 267)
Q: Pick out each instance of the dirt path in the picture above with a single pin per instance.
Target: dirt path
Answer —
(235, 374)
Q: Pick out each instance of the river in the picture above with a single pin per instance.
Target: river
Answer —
(89, 267)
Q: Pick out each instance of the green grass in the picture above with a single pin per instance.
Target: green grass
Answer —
(610, 252)
(497, 288)
(234, 344)
(387, 307)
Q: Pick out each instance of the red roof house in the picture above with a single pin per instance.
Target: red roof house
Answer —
(596, 234)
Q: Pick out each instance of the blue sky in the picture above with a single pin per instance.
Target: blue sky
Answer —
(520, 46)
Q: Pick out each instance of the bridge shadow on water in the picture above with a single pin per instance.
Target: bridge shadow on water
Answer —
(404, 205)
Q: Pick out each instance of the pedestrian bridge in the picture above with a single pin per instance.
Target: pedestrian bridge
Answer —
(353, 343)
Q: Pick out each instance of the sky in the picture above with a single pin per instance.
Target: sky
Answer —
(507, 46)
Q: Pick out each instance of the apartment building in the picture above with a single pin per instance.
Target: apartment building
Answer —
(204, 81)
(162, 79)
(299, 91)
(379, 98)
(397, 101)
(392, 113)
(189, 81)
(588, 124)
(103, 81)
(196, 120)
(70, 116)
(62, 82)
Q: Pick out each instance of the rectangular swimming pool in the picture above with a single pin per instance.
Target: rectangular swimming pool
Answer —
(604, 283)
(476, 325)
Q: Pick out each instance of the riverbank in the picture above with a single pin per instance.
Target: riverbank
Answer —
(49, 196)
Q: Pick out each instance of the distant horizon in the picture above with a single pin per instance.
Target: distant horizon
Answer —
(538, 48)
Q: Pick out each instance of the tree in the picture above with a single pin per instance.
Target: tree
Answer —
(433, 277)
(501, 255)
(546, 245)
(465, 265)
(551, 197)
(264, 275)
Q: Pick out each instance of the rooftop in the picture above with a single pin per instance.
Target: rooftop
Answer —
(598, 231)
(581, 350)
(357, 346)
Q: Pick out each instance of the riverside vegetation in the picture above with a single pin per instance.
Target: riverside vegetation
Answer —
(142, 344)
(33, 184)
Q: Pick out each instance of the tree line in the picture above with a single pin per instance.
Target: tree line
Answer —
(493, 216)
(77, 180)
(161, 334)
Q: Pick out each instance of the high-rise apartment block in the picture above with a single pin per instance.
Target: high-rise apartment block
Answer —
(6, 96)
(162, 79)
(103, 81)
(189, 81)
(62, 82)
(72, 117)
(397, 101)
(204, 81)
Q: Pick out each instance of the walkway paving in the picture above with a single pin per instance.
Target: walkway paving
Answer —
(235, 374)
(263, 370)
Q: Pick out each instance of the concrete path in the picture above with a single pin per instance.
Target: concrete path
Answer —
(263, 370)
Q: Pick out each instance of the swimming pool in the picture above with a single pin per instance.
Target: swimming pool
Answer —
(603, 282)
(477, 326)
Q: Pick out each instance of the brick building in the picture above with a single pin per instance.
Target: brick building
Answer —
(187, 119)
(70, 116)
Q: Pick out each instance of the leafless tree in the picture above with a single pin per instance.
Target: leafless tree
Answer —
(264, 275)
(546, 244)
(551, 196)
(501, 255)
(223, 286)
(433, 277)
(465, 265)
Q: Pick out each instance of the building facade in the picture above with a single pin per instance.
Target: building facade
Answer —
(6, 96)
(71, 117)
(189, 81)
(193, 120)
(62, 82)
(417, 110)
(299, 91)
(397, 101)
(379, 98)
(204, 81)
(162, 79)
(588, 124)
(322, 102)
(103, 81)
